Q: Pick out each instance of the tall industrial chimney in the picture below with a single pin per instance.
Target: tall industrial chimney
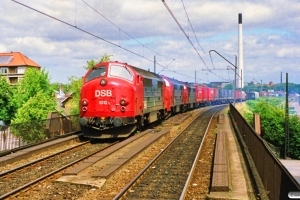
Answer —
(240, 82)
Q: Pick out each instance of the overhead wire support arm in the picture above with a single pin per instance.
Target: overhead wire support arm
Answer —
(235, 68)
(222, 57)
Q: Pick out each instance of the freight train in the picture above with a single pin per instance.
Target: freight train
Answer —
(116, 99)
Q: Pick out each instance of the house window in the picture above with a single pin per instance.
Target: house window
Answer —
(21, 70)
(3, 70)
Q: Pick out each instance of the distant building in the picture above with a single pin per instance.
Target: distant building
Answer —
(61, 97)
(13, 66)
(270, 84)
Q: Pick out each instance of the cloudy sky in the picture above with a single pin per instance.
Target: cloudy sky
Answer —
(134, 31)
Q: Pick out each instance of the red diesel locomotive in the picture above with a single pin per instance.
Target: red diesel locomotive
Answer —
(116, 99)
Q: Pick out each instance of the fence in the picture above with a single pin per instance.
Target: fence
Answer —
(273, 179)
(18, 135)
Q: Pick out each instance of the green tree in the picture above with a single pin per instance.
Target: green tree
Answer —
(33, 99)
(33, 82)
(7, 110)
(228, 86)
(36, 108)
(75, 86)
(252, 88)
(27, 120)
(55, 86)
(92, 63)
(294, 135)
(293, 88)
(272, 101)
(273, 124)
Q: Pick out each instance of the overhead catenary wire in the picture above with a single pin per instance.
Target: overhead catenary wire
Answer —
(166, 66)
(80, 29)
(87, 32)
(173, 16)
(94, 35)
(188, 36)
(181, 74)
(127, 34)
(122, 30)
(192, 27)
(75, 12)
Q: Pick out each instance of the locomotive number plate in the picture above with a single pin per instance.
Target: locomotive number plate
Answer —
(103, 102)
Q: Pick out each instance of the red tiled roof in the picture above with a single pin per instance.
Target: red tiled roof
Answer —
(18, 59)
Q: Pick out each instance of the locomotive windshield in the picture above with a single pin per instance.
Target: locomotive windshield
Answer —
(95, 73)
(121, 72)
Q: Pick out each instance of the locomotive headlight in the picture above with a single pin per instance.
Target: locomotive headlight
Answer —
(123, 102)
(103, 82)
(84, 102)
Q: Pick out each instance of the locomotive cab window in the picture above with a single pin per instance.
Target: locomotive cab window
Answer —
(95, 73)
(121, 72)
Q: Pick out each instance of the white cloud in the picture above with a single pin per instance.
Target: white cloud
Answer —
(271, 43)
(286, 52)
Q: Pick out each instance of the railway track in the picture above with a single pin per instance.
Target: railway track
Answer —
(15, 180)
(15, 150)
(50, 186)
(166, 175)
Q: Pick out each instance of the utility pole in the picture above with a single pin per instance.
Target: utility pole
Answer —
(154, 64)
(261, 87)
(287, 135)
(234, 87)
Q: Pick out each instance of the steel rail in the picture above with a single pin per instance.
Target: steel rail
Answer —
(126, 188)
(196, 159)
(39, 160)
(50, 174)
(14, 150)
